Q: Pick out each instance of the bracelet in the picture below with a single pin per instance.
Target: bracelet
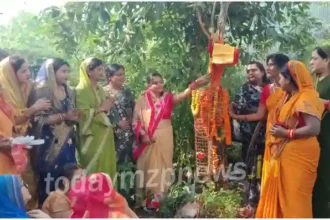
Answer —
(290, 133)
(61, 117)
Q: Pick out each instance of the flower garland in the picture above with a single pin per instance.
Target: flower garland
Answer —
(205, 105)
(214, 119)
(215, 159)
(212, 113)
(195, 105)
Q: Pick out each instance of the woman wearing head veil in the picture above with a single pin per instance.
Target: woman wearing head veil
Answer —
(96, 152)
(16, 86)
(320, 64)
(291, 173)
(13, 198)
(55, 125)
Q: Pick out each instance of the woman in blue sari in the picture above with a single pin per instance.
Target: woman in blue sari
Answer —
(55, 126)
(13, 198)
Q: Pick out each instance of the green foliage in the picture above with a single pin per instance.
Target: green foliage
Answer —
(218, 204)
(179, 195)
(24, 36)
(213, 204)
(234, 152)
(162, 36)
(125, 181)
(3, 54)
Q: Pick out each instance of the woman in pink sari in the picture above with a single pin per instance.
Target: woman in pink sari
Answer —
(153, 145)
(95, 197)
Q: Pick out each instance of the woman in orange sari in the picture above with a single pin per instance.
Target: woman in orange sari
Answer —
(7, 165)
(294, 149)
(270, 96)
(95, 197)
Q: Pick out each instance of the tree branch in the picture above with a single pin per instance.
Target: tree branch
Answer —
(212, 28)
(201, 24)
(222, 18)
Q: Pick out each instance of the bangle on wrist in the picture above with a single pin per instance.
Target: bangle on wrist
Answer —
(290, 133)
(61, 117)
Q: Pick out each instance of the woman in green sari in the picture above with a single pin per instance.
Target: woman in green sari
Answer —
(320, 64)
(96, 151)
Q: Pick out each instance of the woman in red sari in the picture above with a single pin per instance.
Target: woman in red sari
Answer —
(153, 146)
(95, 197)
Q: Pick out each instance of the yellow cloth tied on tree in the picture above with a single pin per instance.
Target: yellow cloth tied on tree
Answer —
(223, 54)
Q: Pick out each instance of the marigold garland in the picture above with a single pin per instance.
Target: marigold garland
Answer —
(210, 107)
(195, 102)
(215, 160)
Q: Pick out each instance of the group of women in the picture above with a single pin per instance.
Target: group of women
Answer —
(288, 156)
(95, 127)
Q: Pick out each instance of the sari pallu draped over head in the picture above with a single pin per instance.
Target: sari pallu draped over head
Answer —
(94, 96)
(291, 170)
(95, 197)
(96, 150)
(14, 95)
(58, 148)
(7, 115)
(11, 198)
(45, 88)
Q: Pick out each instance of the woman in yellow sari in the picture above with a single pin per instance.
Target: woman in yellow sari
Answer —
(294, 149)
(96, 151)
(16, 86)
(270, 96)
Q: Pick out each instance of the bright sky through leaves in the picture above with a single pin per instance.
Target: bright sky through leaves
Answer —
(11, 8)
